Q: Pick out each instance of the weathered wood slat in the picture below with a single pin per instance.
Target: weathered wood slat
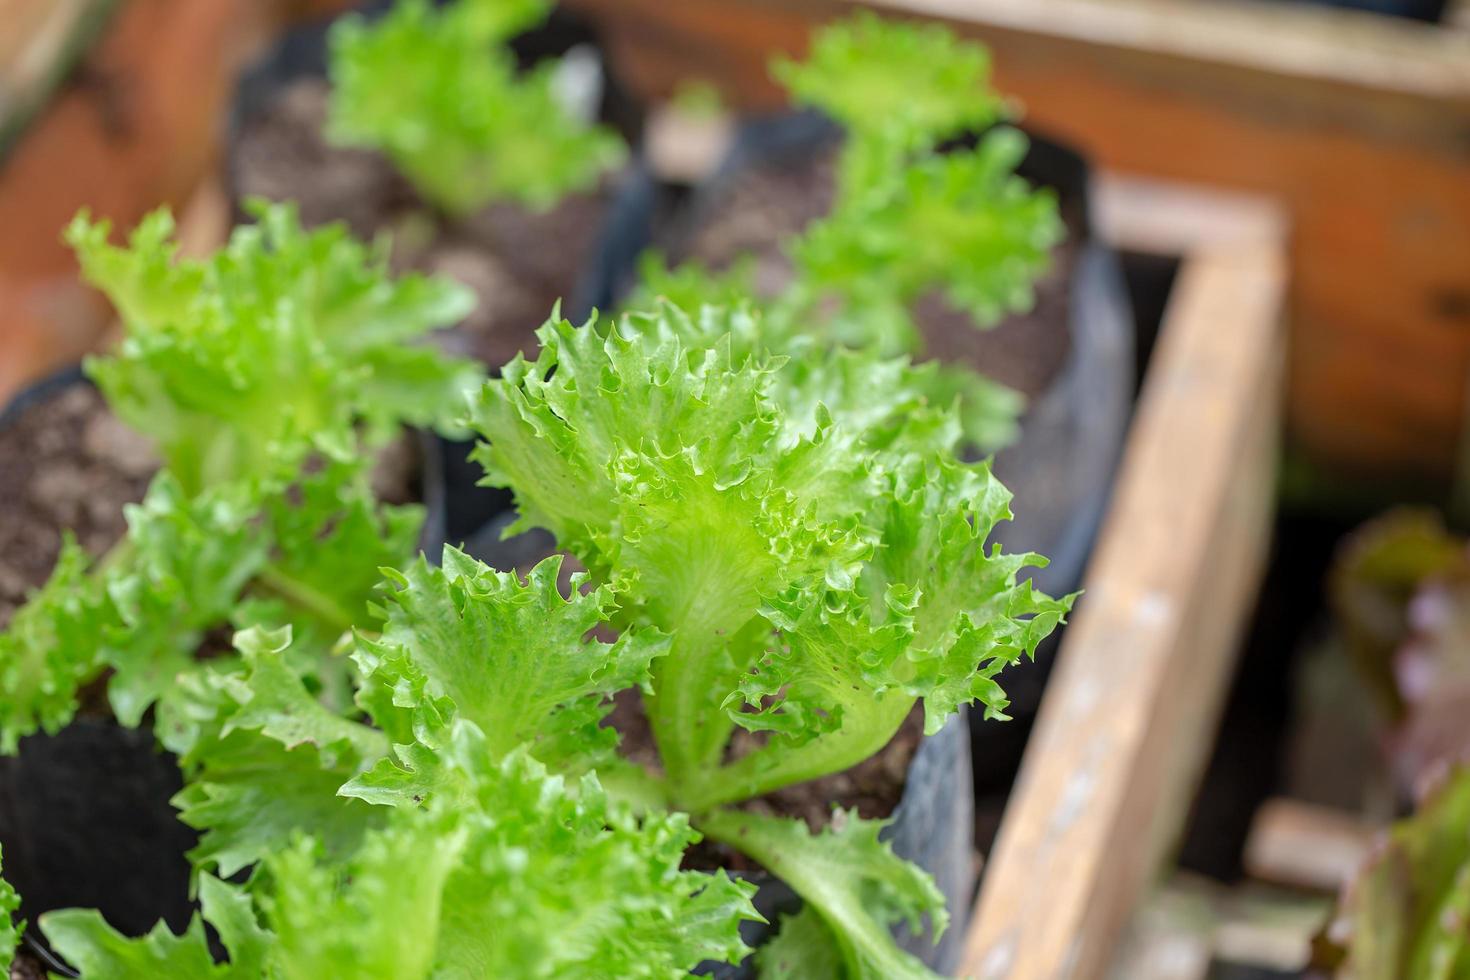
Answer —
(1129, 713)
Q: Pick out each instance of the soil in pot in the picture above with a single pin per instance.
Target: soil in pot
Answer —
(758, 208)
(70, 463)
(518, 261)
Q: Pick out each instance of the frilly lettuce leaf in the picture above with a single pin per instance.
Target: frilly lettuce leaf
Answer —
(265, 760)
(780, 522)
(99, 952)
(51, 649)
(853, 881)
(895, 87)
(960, 222)
(512, 655)
(823, 364)
(559, 882)
(440, 95)
(239, 364)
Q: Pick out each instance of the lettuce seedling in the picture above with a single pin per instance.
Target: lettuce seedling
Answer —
(896, 88)
(913, 215)
(240, 364)
(283, 348)
(439, 93)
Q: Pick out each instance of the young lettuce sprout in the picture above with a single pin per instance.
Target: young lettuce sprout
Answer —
(284, 347)
(803, 536)
(284, 341)
(896, 88)
(912, 216)
(439, 93)
(817, 570)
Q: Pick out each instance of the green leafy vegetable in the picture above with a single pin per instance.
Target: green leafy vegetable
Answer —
(816, 573)
(233, 553)
(522, 875)
(896, 88)
(439, 93)
(511, 656)
(961, 222)
(269, 761)
(802, 533)
(99, 952)
(912, 218)
(281, 342)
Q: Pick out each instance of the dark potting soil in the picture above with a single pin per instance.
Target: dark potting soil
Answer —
(69, 463)
(519, 262)
(27, 966)
(767, 203)
(874, 786)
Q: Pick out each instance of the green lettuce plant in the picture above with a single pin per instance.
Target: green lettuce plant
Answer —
(439, 93)
(265, 374)
(803, 534)
(917, 210)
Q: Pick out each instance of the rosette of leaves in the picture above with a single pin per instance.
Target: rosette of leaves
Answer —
(240, 364)
(800, 531)
(439, 93)
(1407, 913)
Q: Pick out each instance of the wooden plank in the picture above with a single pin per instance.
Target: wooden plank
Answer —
(1303, 845)
(1129, 713)
(1360, 125)
(39, 41)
